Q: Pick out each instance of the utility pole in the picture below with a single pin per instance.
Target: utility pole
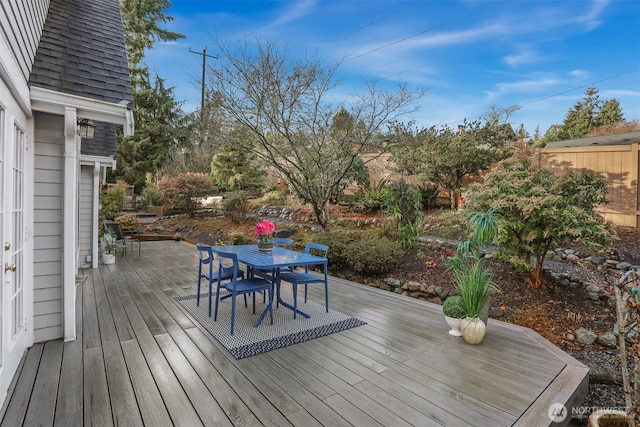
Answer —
(204, 67)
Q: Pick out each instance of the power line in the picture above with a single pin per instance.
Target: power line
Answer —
(560, 93)
(425, 31)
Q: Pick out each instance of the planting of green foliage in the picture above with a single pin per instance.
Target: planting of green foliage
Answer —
(404, 204)
(129, 221)
(338, 242)
(233, 169)
(371, 199)
(429, 194)
(182, 191)
(365, 253)
(473, 280)
(373, 256)
(539, 210)
(111, 202)
(151, 196)
(452, 307)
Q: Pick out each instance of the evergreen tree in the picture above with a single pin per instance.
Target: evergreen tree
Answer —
(610, 113)
(584, 117)
(159, 120)
(232, 169)
(159, 126)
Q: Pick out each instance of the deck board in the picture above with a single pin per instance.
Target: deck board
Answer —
(140, 359)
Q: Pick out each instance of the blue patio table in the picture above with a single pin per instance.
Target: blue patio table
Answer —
(278, 258)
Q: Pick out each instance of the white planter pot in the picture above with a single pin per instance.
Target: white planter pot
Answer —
(608, 418)
(454, 324)
(108, 258)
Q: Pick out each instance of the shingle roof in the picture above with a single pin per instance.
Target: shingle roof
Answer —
(619, 139)
(82, 52)
(103, 142)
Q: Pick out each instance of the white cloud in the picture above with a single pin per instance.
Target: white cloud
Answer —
(298, 9)
(526, 56)
(578, 73)
(534, 85)
(592, 17)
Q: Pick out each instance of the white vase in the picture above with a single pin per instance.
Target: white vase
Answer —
(454, 324)
(108, 258)
(473, 330)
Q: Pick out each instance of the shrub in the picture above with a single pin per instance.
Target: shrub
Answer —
(452, 307)
(404, 203)
(128, 221)
(371, 199)
(373, 256)
(111, 202)
(338, 242)
(151, 196)
(429, 194)
(540, 210)
(235, 205)
(183, 190)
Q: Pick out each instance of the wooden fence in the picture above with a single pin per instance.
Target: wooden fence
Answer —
(618, 164)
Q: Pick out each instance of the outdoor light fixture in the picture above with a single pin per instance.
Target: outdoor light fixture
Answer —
(86, 128)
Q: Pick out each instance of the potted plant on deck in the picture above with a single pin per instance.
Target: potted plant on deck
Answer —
(110, 246)
(473, 280)
(453, 311)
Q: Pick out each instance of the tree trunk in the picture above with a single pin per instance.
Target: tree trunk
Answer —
(322, 214)
(536, 278)
(452, 199)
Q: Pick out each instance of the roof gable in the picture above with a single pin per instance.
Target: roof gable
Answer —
(82, 51)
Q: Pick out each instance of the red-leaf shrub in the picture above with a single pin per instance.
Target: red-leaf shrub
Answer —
(183, 190)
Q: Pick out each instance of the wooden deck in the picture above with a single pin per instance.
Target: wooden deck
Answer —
(141, 360)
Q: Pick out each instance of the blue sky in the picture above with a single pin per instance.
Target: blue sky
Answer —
(466, 55)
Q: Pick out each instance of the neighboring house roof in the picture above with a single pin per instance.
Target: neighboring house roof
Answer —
(619, 139)
(82, 53)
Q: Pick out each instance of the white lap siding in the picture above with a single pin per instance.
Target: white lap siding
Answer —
(48, 227)
(85, 216)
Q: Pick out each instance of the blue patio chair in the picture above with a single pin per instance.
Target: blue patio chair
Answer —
(269, 274)
(239, 287)
(207, 271)
(305, 278)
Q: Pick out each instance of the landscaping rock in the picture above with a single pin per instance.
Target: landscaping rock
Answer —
(413, 286)
(608, 339)
(624, 266)
(598, 260)
(594, 289)
(585, 336)
(393, 282)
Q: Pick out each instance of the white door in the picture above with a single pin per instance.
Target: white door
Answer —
(13, 340)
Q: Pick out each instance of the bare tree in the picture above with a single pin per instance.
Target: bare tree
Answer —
(283, 103)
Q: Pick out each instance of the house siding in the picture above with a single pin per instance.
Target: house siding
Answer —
(21, 24)
(85, 216)
(48, 227)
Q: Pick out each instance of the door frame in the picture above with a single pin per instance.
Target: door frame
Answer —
(12, 349)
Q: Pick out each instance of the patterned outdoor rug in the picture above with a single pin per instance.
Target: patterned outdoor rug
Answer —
(247, 340)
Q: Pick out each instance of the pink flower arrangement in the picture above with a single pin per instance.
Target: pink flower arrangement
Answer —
(264, 230)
